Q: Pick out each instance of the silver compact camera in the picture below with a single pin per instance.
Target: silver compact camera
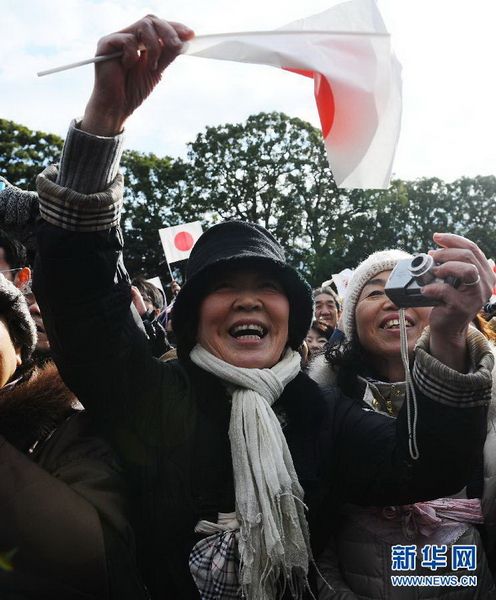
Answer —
(408, 276)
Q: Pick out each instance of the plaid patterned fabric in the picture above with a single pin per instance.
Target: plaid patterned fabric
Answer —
(74, 211)
(459, 390)
(214, 565)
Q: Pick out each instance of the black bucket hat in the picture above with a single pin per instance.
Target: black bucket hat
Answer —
(229, 245)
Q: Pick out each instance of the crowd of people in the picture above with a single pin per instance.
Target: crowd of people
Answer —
(257, 439)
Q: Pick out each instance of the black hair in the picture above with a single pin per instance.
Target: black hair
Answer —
(187, 334)
(329, 291)
(15, 252)
(149, 292)
(19, 331)
(348, 359)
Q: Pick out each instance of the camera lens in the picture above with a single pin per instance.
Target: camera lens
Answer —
(420, 268)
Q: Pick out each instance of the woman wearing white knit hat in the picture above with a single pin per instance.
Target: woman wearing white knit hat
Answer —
(368, 367)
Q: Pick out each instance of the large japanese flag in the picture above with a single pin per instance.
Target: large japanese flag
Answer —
(178, 241)
(357, 82)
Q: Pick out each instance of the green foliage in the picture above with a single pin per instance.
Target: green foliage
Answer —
(246, 171)
(272, 170)
(24, 153)
(153, 188)
(473, 202)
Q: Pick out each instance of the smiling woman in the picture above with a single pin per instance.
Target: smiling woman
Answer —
(244, 319)
(238, 271)
(236, 460)
(378, 328)
(368, 367)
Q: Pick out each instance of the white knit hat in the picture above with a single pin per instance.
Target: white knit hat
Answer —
(385, 260)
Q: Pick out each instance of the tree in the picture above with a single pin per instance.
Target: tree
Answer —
(473, 203)
(25, 153)
(243, 171)
(152, 193)
(404, 216)
(271, 170)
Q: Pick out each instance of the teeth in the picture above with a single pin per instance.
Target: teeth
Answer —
(250, 327)
(394, 323)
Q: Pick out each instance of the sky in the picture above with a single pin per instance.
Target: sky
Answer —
(447, 49)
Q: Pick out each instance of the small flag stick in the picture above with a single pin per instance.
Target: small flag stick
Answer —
(88, 61)
(170, 270)
(103, 57)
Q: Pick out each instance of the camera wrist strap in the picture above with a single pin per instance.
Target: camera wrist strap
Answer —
(411, 397)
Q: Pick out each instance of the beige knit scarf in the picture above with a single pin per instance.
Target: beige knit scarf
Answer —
(274, 541)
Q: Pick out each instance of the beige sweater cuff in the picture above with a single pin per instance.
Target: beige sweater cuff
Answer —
(442, 384)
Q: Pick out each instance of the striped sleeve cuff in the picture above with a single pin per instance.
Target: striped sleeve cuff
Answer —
(89, 163)
(75, 211)
(444, 385)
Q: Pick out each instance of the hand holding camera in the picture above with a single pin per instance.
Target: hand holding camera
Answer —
(404, 286)
(462, 284)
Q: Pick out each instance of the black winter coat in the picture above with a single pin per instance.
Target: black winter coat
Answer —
(169, 420)
(63, 521)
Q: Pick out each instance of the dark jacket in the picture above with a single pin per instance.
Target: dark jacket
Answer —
(357, 558)
(63, 527)
(169, 420)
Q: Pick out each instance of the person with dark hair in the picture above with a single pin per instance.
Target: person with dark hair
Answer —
(227, 446)
(149, 302)
(63, 524)
(14, 262)
(317, 337)
(151, 294)
(326, 303)
(18, 211)
(13, 256)
(367, 365)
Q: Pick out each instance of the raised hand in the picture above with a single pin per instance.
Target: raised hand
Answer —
(122, 84)
(138, 301)
(449, 320)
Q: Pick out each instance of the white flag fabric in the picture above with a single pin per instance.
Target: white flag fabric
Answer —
(341, 281)
(178, 241)
(357, 82)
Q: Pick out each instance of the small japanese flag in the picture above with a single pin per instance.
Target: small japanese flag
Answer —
(178, 241)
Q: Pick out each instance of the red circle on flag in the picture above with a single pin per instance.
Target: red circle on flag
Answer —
(183, 241)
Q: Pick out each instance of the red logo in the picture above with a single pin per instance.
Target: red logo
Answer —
(184, 241)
